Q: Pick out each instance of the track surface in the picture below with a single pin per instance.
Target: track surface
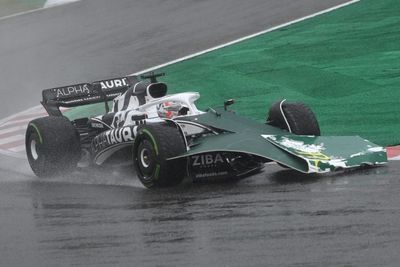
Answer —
(275, 218)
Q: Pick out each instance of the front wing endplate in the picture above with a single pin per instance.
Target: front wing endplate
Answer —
(329, 153)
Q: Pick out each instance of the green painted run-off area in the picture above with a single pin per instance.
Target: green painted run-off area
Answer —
(344, 64)
(9, 7)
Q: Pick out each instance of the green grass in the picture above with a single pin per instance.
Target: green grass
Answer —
(344, 64)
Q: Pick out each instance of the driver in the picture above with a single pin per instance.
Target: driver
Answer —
(171, 109)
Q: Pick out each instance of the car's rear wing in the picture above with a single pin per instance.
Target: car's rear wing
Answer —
(84, 93)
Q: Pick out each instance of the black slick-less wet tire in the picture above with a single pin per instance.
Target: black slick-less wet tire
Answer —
(154, 144)
(52, 146)
(296, 118)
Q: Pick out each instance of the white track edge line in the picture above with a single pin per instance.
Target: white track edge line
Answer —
(33, 10)
(247, 37)
(50, 3)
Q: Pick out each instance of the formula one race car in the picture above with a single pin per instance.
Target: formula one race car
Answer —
(167, 138)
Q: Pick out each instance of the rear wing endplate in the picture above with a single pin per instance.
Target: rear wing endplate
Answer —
(84, 93)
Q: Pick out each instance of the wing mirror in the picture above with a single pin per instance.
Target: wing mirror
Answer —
(228, 103)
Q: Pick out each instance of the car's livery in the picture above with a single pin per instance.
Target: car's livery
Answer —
(167, 138)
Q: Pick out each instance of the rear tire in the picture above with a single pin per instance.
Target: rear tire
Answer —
(52, 146)
(154, 144)
(297, 118)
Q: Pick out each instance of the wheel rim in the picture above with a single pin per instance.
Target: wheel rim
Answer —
(34, 153)
(144, 158)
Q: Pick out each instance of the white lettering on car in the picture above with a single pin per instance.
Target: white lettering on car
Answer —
(127, 134)
(118, 83)
(114, 136)
(113, 83)
(207, 159)
(71, 90)
(97, 125)
(84, 88)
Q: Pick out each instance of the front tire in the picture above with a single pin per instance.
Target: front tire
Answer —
(296, 118)
(154, 144)
(52, 146)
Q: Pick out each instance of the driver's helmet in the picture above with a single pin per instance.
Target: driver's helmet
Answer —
(171, 109)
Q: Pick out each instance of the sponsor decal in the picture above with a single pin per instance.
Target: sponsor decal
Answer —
(211, 174)
(313, 155)
(206, 159)
(72, 90)
(208, 165)
(114, 83)
(85, 88)
(97, 125)
(112, 137)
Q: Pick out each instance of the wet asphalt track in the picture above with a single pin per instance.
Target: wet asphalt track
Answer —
(276, 218)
